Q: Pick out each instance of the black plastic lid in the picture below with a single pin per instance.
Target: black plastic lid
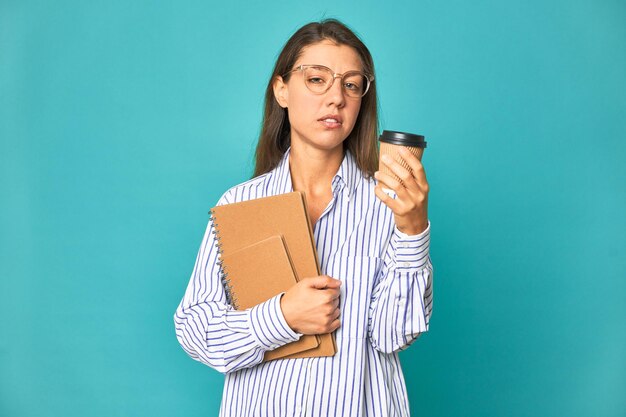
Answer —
(402, 138)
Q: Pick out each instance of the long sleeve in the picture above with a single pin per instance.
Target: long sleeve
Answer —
(212, 332)
(402, 297)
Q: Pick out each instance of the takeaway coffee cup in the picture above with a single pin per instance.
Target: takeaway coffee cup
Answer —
(390, 144)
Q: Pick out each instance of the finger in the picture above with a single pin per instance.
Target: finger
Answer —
(415, 186)
(326, 283)
(390, 182)
(384, 197)
(416, 166)
(328, 296)
(333, 283)
(406, 176)
(320, 282)
(402, 194)
(334, 293)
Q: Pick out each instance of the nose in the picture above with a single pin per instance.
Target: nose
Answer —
(335, 95)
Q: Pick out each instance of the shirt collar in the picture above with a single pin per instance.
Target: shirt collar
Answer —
(346, 177)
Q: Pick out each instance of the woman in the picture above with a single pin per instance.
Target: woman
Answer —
(319, 136)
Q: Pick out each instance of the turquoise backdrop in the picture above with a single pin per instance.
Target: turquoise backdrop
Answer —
(122, 122)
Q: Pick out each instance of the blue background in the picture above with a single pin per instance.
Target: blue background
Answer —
(121, 124)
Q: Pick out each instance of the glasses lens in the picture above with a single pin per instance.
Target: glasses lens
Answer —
(355, 84)
(318, 79)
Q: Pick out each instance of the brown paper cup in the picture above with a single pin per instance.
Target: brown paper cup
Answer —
(393, 151)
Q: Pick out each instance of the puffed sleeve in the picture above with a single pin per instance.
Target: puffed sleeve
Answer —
(211, 331)
(402, 296)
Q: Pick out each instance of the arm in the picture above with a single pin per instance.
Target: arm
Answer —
(401, 303)
(212, 332)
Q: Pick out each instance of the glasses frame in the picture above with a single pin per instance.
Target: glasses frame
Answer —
(302, 67)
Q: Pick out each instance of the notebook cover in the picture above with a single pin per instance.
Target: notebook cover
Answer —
(242, 224)
(257, 273)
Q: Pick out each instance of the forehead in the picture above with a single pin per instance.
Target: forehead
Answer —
(339, 58)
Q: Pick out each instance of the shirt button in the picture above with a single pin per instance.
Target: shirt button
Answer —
(406, 264)
(406, 245)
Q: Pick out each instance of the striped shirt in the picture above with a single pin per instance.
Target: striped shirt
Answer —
(385, 303)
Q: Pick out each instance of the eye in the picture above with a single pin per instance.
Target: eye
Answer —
(353, 81)
(317, 76)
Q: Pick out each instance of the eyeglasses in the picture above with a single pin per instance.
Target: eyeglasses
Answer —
(319, 79)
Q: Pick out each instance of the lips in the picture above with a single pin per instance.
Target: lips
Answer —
(331, 118)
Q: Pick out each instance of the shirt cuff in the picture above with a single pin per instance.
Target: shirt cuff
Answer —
(411, 250)
(268, 324)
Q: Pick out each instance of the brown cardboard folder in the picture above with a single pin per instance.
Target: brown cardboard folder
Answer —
(240, 225)
(258, 272)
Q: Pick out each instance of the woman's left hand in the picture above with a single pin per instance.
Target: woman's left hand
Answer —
(410, 207)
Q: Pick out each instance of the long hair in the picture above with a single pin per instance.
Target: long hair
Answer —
(275, 135)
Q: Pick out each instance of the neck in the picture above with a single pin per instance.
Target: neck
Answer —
(312, 169)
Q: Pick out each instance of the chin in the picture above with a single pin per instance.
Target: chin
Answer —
(331, 144)
(334, 136)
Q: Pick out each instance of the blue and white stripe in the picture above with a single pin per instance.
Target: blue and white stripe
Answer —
(386, 303)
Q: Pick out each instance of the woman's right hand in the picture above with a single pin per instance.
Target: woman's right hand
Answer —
(312, 305)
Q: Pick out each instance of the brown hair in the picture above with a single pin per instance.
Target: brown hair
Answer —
(275, 135)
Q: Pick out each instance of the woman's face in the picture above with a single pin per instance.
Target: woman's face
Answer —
(308, 111)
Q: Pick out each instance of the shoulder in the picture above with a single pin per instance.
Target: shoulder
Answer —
(254, 188)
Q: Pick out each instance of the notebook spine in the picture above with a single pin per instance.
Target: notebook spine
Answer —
(226, 281)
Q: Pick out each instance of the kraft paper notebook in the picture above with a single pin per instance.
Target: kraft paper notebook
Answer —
(242, 224)
(255, 274)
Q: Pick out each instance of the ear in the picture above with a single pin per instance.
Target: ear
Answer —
(281, 92)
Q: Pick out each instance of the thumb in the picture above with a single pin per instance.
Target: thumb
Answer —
(323, 281)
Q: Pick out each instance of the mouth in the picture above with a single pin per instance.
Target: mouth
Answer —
(331, 122)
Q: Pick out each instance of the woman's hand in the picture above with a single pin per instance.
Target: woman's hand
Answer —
(312, 305)
(410, 207)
